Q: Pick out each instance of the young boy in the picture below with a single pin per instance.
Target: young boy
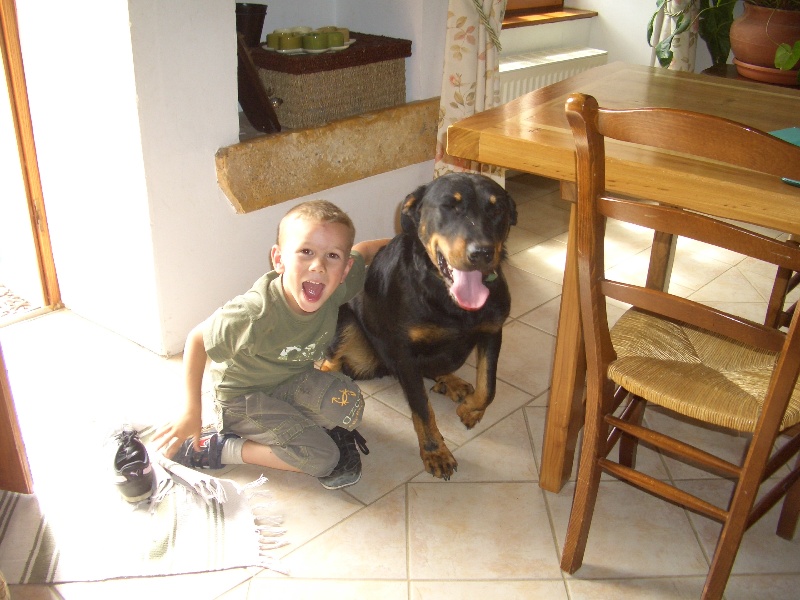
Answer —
(273, 407)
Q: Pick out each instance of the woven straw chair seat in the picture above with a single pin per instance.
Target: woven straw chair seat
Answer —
(693, 371)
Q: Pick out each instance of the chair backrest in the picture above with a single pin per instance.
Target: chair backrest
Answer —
(694, 134)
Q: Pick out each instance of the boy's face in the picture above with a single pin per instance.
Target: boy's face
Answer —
(313, 259)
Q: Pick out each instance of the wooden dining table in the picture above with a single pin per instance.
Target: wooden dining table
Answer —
(531, 134)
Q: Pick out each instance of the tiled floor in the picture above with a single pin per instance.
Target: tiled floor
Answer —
(490, 532)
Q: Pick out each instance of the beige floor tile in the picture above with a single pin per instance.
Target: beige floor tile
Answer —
(199, 586)
(307, 508)
(505, 524)
(545, 317)
(526, 360)
(370, 544)
(761, 550)
(763, 587)
(33, 592)
(528, 291)
(501, 453)
(730, 285)
(545, 260)
(694, 271)
(314, 589)
(633, 535)
(544, 218)
(485, 590)
(393, 455)
(520, 239)
(672, 588)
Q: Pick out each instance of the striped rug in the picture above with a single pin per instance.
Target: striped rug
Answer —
(52, 539)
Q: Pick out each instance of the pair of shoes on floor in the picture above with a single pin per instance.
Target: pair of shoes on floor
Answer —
(210, 454)
(348, 469)
(134, 476)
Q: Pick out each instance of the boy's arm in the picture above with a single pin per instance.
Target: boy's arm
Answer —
(369, 248)
(169, 438)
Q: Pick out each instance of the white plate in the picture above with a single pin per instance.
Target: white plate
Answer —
(347, 44)
(339, 48)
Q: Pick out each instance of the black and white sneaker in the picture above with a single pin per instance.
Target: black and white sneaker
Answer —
(134, 476)
(348, 469)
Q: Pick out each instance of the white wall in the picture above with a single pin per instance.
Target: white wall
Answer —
(621, 29)
(128, 111)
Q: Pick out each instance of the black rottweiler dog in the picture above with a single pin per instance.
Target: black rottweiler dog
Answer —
(432, 295)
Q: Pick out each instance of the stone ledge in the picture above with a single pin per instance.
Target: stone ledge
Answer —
(275, 168)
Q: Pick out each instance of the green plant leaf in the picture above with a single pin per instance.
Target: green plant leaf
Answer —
(664, 52)
(715, 27)
(786, 56)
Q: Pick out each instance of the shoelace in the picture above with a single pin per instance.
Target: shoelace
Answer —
(361, 443)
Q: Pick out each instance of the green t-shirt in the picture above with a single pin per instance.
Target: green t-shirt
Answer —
(256, 342)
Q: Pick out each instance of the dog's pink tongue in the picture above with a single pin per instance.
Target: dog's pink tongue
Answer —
(468, 289)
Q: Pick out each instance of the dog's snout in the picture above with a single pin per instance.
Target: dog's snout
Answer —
(478, 254)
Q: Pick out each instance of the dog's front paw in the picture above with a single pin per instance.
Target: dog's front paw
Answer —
(453, 387)
(440, 463)
(469, 416)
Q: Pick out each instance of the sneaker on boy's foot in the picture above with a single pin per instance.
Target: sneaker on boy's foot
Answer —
(348, 469)
(135, 478)
(210, 454)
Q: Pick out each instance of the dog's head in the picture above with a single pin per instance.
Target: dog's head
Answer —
(462, 220)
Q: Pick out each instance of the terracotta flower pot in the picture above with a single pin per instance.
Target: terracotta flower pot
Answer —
(756, 35)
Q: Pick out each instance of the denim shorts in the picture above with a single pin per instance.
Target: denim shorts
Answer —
(292, 417)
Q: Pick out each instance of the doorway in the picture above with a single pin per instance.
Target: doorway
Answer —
(28, 283)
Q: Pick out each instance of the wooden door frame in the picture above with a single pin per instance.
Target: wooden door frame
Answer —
(15, 472)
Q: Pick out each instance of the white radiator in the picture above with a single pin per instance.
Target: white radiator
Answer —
(523, 73)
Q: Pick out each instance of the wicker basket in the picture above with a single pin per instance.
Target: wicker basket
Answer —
(319, 88)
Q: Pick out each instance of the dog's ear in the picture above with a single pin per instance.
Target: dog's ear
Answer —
(513, 211)
(409, 214)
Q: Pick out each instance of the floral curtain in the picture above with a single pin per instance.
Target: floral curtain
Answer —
(684, 45)
(470, 82)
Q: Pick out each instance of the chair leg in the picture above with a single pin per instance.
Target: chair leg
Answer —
(628, 444)
(787, 524)
(586, 487)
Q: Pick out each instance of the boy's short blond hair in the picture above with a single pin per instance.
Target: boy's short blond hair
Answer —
(319, 211)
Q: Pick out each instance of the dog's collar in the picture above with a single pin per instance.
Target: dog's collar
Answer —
(490, 277)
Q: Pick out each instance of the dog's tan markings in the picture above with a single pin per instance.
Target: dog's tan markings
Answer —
(492, 199)
(436, 457)
(409, 203)
(355, 351)
(471, 410)
(489, 327)
(429, 333)
(453, 387)
(457, 196)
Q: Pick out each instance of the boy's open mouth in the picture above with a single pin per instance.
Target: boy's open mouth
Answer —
(312, 290)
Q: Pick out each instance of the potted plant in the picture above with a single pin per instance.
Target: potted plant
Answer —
(772, 21)
(765, 40)
(714, 23)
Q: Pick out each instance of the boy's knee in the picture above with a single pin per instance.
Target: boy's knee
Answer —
(325, 465)
(346, 404)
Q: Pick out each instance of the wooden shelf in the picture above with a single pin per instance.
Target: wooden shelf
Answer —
(541, 18)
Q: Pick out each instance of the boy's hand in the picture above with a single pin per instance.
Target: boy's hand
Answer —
(168, 439)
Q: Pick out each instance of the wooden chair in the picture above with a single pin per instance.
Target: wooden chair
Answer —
(671, 351)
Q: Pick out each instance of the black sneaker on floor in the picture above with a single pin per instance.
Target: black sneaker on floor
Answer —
(348, 469)
(135, 478)
(210, 454)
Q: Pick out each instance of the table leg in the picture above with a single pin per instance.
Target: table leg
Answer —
(566, 408)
